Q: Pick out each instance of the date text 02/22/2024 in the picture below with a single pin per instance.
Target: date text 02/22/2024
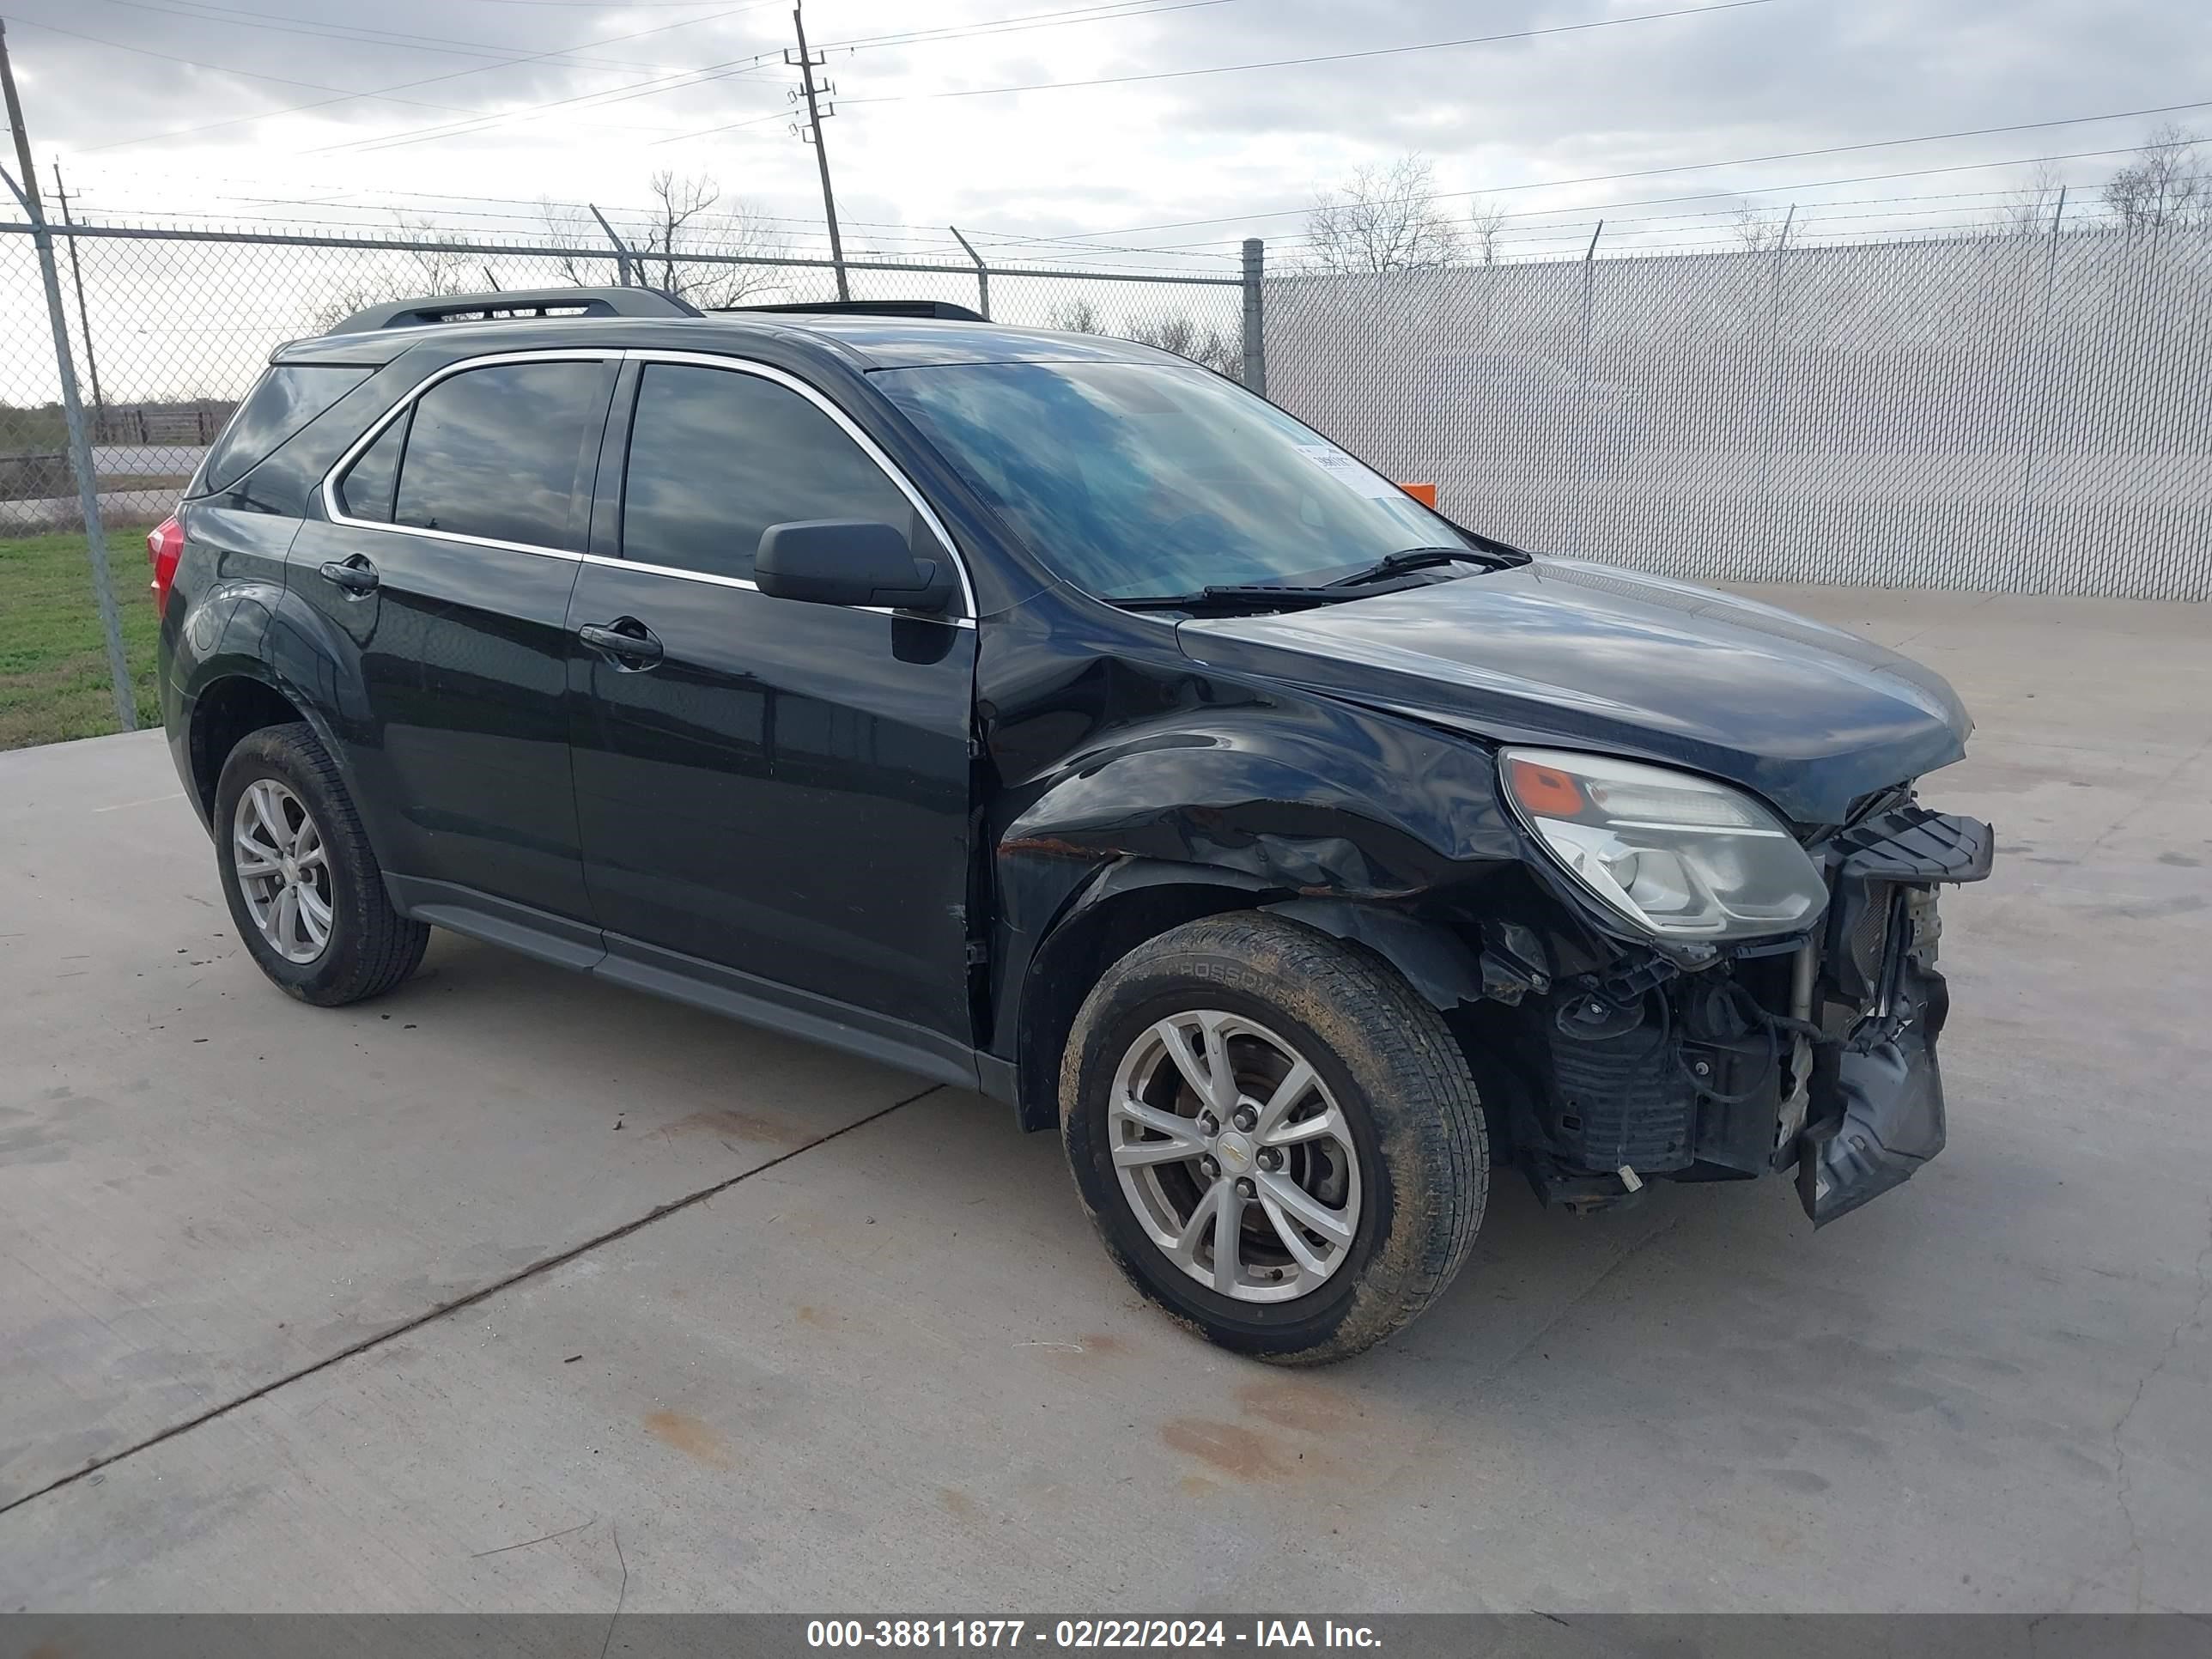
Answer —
(1087, 1633)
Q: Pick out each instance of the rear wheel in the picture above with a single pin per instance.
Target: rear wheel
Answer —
(1278, 1140)
(301, 881)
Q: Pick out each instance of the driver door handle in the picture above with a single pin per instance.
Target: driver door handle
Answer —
(628, 642)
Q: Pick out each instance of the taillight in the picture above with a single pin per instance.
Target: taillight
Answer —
(165, 545)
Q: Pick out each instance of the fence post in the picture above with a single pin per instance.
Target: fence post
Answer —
(2038, 402)
(1592, 462)
(87, 481)
(983, 274)
(622, 249)
(1256, 336)
(1773, 363)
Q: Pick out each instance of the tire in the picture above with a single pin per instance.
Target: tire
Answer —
(284, 773)
(1397, 1184)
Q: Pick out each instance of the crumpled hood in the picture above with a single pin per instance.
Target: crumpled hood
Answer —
(1586, 656)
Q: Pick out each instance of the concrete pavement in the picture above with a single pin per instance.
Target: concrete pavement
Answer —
(879, 1361)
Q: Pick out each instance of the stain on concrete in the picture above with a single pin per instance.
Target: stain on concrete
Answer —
(1802, 1480)
(727, 1124)
(1236, 1452)
(956, 1503)
(1311, 1407)
(2179, 860)
(697, 1439)
(2149, 909)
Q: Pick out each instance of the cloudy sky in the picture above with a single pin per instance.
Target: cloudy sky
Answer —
(196, 112)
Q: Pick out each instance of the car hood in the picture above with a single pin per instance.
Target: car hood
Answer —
(1586, 656)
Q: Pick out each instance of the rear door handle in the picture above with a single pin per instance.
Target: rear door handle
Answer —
(627, 641)
(355, 574)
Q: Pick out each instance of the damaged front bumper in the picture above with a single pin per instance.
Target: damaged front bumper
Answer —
(1817, 1053)
(1876, 1099)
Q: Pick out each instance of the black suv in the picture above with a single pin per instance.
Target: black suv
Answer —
(1050, 716)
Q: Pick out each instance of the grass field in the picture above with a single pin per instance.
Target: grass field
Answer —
(53, 668)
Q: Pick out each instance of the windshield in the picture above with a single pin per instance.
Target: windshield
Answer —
(1133, 479)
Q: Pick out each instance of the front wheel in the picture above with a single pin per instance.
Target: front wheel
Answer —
(1278, 1141)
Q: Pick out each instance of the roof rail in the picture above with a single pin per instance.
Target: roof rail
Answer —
(942, 310)
(517, 302)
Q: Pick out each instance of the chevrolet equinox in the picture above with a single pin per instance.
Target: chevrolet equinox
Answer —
(1050, 716)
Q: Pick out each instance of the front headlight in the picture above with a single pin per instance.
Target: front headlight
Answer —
(1675, 854)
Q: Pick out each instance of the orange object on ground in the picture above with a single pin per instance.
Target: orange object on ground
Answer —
(1425, 494)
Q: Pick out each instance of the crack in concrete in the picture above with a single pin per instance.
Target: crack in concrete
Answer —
(543, 1265)
(2124, 1490)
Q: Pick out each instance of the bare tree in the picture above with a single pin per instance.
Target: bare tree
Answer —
(1383, 219)
(1758, 230)
(1077, 316)
(684, 244)
(417, 272)
(567, 225)
(1486, 219)
(1185, 336)
(2168, 185)
(2030, 210)
(685, 225)
(1178, 332)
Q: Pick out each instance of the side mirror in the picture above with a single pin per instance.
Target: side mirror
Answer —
(848, 561)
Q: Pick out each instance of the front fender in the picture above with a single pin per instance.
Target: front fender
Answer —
(1314, 798)
(1309, 804)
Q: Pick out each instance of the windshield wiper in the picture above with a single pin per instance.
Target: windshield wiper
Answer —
(1421, 558)
(1238, 596)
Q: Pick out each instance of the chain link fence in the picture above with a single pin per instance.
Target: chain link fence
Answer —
(2028, 414)
(169, 328)
(2018, 413)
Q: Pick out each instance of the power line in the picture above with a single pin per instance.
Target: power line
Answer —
(1774, 190)
(735, 66)
(1279, 62)
(1703, 167)
(1021, 23)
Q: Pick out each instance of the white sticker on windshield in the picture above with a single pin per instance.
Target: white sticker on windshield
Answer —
(1347, 470)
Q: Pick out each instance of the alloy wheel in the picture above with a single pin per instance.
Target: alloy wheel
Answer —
(1234, 1156)
(283, 871)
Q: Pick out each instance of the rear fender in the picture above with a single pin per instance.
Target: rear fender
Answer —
(257, 630)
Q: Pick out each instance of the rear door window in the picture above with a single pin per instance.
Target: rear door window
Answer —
(505, 453)
(283, 401)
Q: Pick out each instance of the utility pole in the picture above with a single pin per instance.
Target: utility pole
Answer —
(83, 319)
(806, 63)
(87, 481)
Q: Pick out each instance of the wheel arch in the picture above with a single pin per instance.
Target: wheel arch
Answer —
(225, 711)
(1134, 900)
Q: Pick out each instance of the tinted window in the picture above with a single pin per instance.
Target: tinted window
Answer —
(716, 457)
(1132, 479)
(365, 492)
(505, 453)
(283, 401)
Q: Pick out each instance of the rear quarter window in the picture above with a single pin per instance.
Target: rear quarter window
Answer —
(285, 398)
